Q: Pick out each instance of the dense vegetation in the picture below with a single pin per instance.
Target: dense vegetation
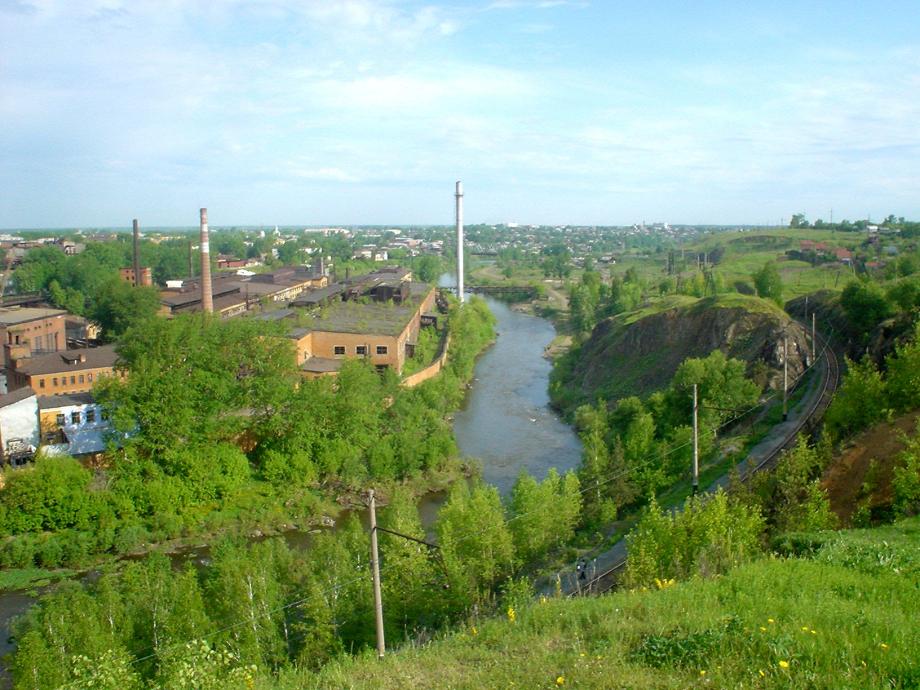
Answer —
(263, 607)
(222, 433)
(634, 448)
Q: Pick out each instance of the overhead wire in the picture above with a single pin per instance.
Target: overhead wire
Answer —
(154, 652)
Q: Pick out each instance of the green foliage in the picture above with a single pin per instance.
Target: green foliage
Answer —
(768, 283)
(861, 400)
(906, 480)
(51, 495)
(117, 306)
(475, 541)
(191, 376)
(865, 305)
(708, 537)
(543, 514)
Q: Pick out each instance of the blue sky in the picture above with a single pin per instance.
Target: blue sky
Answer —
(602, 112)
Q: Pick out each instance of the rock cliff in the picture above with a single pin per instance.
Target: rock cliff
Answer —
(626, 356)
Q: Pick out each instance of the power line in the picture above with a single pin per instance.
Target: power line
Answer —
(331, 590)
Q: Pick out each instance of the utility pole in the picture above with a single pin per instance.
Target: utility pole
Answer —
(814, 343)
(375, 568)
(808, 347)
(785, 380)
(696, 444)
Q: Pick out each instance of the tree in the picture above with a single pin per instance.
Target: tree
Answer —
(798, 220)
(768, 283)
(118, 305)
(865, 305)
(428, 268)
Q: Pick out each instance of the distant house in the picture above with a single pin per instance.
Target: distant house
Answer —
(19, 428)
(69, 371)
(844, 256)
(73, 424)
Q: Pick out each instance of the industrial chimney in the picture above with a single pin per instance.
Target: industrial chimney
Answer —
(459, 197)
(207, 297)
(137, 254)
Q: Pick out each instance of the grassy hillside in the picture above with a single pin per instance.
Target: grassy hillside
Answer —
(844, 616)
(637, 353)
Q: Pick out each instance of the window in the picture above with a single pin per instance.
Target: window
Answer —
(339, 349)
(73, 380)
(60, 420)
(381, 349)
(75, 418)
(90, 377)
(81, 378)
(54, 381)
(41, 383)
(361, 350)
(91, 415)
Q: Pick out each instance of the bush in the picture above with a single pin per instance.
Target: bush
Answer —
(129, 537)
(19, 552)
(51, 495)
(710, 536)
(50, 552)
(906, 480)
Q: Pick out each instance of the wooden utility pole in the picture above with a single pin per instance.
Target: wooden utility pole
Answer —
(814, 342)
(809, 348)
(375, 569)
(785, 380)
(696, 443)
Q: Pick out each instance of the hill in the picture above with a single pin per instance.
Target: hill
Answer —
(638, 352)
(840, 614)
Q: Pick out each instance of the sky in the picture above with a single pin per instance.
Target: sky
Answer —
(600, 112)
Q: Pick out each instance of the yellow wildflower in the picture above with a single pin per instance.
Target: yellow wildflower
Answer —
(883, 645)
(511, 614)
(804, 628)
(762, 674)
(814, 632)
(474, 631)
(560, 681)
(763, 629)
(702, 673)
(783, 664)
(770, 620)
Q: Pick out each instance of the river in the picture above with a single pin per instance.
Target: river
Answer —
(505, 423)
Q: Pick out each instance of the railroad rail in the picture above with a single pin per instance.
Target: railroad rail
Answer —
(607, 580)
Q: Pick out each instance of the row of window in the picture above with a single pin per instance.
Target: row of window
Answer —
(360, 350)
(73, 380)
(75, 417)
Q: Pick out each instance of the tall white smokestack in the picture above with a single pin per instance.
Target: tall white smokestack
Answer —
(459, 196)
(207, 296)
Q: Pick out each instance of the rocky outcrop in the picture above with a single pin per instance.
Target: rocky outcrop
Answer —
(640, 357)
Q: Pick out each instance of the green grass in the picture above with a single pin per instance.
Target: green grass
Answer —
(23, 578)
(836, 619)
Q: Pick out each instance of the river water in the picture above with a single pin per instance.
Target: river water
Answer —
(505, 423)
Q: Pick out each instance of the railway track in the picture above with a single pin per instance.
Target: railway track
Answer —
(607, 580)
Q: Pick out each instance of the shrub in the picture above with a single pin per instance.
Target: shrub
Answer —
(708, 537)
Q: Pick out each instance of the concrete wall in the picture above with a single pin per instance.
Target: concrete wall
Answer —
(19, 421)
(431, 370)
